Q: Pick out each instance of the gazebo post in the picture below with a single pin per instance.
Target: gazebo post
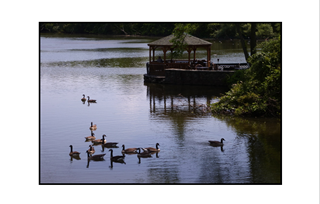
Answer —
(153, 48)
(165, 49)
(194, 53)
(149, 54)
(189, 51)
(208, 55)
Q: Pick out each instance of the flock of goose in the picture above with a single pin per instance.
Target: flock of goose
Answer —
(146, 152)
(141, 152)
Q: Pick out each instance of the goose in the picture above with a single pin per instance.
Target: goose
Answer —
(92, 137)
(84, 98)
(91, 100)
(115, 158)
(73, 153)
(99, 141)
(93, 126)
(109, 144)
(152, 149)
(217, 143)
(97, 157)
(129, 150)
(144, 154)
(91, 150)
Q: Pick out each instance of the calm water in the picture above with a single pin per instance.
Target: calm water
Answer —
(136, 114)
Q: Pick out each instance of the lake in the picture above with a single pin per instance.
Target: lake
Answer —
(137, 114)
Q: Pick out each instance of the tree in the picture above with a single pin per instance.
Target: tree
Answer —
(179, 32)
(253, 40)
(259, 94)
(243, 43)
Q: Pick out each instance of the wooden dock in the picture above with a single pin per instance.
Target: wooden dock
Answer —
(212, 76)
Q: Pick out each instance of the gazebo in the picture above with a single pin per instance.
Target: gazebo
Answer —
(192, 43)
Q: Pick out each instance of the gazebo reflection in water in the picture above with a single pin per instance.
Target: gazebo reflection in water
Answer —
(187, 99)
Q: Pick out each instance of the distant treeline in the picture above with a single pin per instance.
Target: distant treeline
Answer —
(202, 30)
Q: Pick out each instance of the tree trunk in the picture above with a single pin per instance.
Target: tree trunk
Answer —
(253, 40)
(121, 27)
(243, 43)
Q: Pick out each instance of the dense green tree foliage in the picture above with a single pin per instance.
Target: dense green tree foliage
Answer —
(259, 91)
(229, 30)
(201, 30)
(180, 32)
(146, 29)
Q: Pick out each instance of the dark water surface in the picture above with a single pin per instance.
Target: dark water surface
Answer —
(136, 114)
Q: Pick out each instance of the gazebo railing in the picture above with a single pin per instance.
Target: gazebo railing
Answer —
(158, 68)
(179, 65)
(231, 66)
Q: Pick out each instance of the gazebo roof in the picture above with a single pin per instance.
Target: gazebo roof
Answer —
(189, 40)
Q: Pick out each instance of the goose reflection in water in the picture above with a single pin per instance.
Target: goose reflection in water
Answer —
(146, 154)
(111, 163)
(139, 158)
(221, 147)
(74, 157)
(89, 103)
(143, 154)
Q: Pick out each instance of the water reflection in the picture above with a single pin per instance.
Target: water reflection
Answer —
(89, 160)
(186, 100)
(262, 140)
(107, 147)
(111, 163)
(101, 63)
(75, 157)
(164, 174)
(259, 136)
(139, 158)
(89, 103)
(221, 147)
(181, 103)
